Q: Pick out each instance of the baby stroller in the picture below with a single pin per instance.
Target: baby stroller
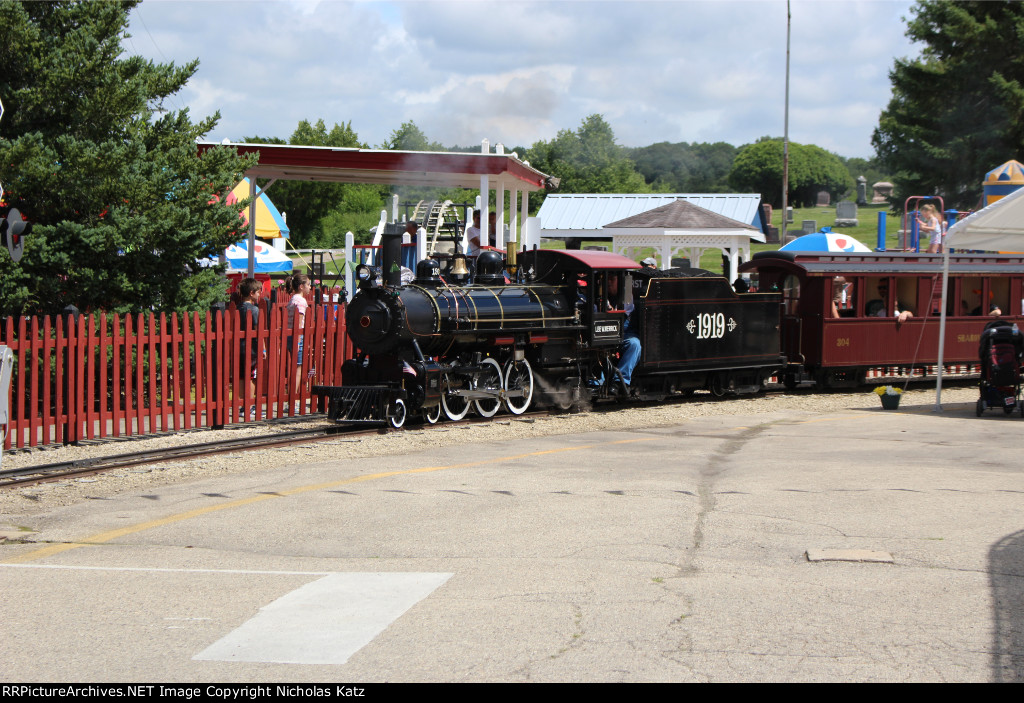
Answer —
(1001, 351)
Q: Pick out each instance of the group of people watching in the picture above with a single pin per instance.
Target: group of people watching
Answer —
(250, 291)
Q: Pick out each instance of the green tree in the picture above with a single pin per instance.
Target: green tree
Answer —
(587, 161)
(123, 207)
(409, 137)
(957, 110)
(306, 204)
(758, 168)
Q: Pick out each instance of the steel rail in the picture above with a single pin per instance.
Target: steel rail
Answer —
(94, 465)
(42, 473)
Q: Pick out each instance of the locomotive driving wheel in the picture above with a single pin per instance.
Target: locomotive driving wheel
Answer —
(518, 386)
(455, 407)
(489, 379)
(397, 414)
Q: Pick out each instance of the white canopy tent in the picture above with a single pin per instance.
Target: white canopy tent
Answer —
(997, 227)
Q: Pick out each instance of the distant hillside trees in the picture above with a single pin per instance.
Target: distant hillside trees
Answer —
(685, 168)
(957, 111)
(123, 206)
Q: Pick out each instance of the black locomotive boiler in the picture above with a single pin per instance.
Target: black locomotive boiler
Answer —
(544, 331)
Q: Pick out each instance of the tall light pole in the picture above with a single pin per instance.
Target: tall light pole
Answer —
(785, 138)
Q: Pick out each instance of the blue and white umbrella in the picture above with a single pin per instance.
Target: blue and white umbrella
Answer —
(826, 242)
(267, 258)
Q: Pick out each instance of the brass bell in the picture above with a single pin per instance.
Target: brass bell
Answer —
(459, 266)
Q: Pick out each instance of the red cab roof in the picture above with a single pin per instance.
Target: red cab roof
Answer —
(421, 168)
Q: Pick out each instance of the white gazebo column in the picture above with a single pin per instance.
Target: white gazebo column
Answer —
(485, 204)
(513, 214)
(524, 213)
(468, 221)
(734, 264)
(695, 254)
(499, 220)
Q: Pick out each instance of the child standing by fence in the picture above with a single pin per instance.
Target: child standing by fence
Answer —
(299, 287)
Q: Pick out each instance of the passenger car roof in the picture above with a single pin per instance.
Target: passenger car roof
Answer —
(882, 263)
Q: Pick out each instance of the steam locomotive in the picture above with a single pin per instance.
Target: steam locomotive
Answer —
(542, 328)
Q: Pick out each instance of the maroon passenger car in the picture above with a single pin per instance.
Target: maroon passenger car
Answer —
(845, 313)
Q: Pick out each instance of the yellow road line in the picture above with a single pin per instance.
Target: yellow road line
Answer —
(105, 537)
(841, 418)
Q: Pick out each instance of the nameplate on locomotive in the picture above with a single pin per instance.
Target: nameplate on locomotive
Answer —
(711, 325)
(606, 331)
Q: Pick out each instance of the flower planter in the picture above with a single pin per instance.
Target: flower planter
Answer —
(890, 402)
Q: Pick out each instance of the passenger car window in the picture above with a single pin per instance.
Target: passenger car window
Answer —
(906, 294)
(876, 294)
(790, 294)
(999, 294)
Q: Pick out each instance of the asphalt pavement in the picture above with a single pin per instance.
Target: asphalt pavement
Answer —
(860, 545)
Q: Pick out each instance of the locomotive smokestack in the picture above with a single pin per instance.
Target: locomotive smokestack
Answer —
(391, 253)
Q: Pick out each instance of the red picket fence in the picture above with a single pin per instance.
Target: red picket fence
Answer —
(113, 376)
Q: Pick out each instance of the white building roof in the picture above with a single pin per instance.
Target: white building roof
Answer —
(578, 214)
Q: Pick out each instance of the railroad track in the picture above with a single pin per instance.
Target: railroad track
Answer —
(86, 467)
(11, 478)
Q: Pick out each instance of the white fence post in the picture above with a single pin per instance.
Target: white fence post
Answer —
(380, 228)
(350, 241)
(421, 245)
(531, 233)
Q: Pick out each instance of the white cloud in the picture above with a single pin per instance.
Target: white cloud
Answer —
(518, 72)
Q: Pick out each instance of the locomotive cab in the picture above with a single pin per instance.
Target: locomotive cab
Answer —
(614, 295)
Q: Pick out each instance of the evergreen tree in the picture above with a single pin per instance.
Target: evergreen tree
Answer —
(957, 111)
(123, 206)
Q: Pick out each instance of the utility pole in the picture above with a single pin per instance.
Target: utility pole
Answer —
(785, 137)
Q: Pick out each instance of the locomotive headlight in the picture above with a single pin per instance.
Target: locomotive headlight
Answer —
(365, 276)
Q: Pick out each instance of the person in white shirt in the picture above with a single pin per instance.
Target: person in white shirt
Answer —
(473, 235)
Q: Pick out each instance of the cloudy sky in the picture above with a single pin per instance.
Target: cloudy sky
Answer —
(518, 72)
